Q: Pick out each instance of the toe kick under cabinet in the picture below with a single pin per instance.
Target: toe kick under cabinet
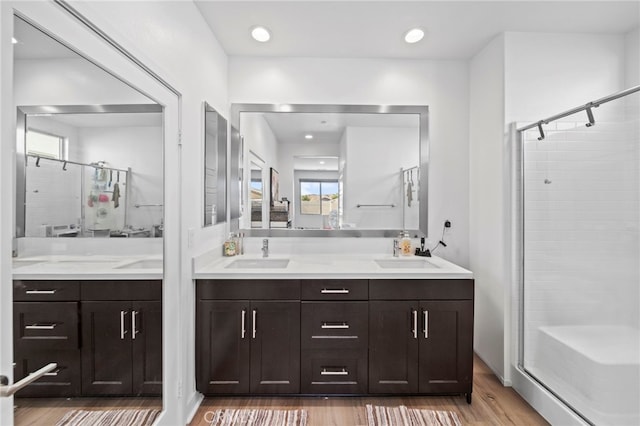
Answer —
(352, 336)
(105, 336)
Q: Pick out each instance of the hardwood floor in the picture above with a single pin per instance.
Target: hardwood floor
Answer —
(492, 404)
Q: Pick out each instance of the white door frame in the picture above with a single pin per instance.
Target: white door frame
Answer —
(93, 46)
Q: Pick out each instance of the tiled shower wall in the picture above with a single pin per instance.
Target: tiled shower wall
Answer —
(581, 218)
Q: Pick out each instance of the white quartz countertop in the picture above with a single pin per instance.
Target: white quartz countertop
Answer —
(96, 267)
(331, 266)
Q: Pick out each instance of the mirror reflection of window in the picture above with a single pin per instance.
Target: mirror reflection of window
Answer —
(45, 145)
(318, 197)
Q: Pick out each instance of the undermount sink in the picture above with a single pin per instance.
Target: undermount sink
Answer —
(405, 263)
(258, 263)
(143, 264)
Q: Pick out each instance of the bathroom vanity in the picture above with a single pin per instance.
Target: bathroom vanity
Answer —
(100, 322)
(334, 325)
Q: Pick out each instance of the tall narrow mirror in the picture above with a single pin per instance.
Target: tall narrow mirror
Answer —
(88, 266)
(215, 166)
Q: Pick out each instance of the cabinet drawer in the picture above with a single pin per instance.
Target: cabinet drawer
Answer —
(45, 325)
(335, 289)
(41, 291)
(63, 381)
(341, 372)
(334, 325)
(248, 289)
(432, 289)
(121, 290)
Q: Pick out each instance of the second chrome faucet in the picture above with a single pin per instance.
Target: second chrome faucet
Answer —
(265, 248)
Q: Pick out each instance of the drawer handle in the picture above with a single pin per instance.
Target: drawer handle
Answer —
(254, 325)
(40, 291)
(40, 326)
(342, 372)
(342, 325)
(53, 373)
(334, 291)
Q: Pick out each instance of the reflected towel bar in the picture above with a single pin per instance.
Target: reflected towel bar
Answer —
(8, 390)
(375, 205)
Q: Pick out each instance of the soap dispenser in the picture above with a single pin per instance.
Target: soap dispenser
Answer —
(405, 244)
(229, 247)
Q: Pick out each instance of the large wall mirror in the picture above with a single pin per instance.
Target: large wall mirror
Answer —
(336, 170)
(89, 147)
(215, 166)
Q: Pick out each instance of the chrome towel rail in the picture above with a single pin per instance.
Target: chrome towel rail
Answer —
(8, 390)
(375, 205)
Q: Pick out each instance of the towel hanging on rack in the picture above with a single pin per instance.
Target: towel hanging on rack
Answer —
(409, 193)
(116, 195)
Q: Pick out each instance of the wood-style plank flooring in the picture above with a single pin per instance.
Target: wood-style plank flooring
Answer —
(492, 404)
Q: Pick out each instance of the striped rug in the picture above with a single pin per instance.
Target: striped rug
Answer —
(109, 418)
(403, 416)
(231, 417)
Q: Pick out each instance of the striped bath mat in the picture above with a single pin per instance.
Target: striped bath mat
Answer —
(232, 417)
(109, 418)
(403, 416)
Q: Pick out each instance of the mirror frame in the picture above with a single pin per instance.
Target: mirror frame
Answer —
(421, 110)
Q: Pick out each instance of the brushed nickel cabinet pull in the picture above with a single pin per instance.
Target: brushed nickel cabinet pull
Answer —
(334, 291)
(244, 323)
(122, 330)
(255, 319)
(134, 331)
(341, 372)
(40, 292)
(415, 323)
(328, 325)
(426, 324)
(40, 326)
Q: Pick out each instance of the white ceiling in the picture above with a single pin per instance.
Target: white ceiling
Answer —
(374, 29)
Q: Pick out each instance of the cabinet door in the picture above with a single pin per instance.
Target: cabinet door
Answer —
(393, 346)
(223, 347)
(275, 347)
(146, 339)
(106, 348)
(446, 346)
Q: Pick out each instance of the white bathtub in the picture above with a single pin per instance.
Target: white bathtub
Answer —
(595, 369)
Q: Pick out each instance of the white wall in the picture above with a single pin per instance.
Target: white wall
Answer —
(442, 85)
(632, 57)
(487, 218)
(386, 150)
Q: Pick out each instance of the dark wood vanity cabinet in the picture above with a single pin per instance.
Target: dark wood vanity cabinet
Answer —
(421, 336)
(335, 336)
(248, 337)
(122, 338)
(79, 325)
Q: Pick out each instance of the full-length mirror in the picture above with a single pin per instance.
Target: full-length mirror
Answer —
(89, 165)
(215, 166)
(331, 170)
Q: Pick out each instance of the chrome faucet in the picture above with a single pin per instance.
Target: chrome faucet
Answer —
(396, 247)
(265, 248)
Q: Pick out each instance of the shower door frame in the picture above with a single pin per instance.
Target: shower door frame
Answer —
(531, 390)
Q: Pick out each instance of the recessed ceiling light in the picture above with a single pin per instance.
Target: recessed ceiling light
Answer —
(260, 34)
(14, 40)
(414, 35)
(322, 162)
(308, 136)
